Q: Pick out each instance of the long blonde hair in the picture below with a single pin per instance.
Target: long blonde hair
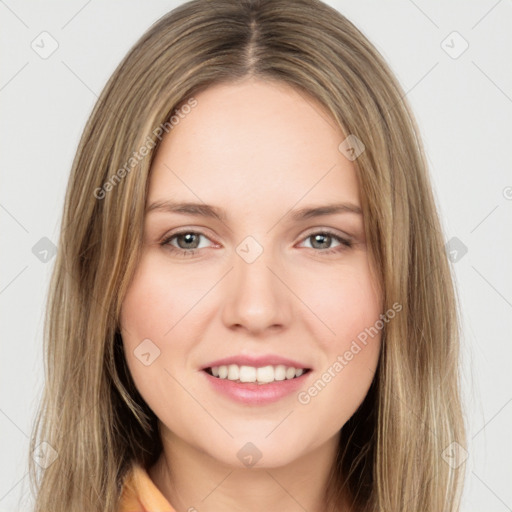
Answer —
(391, 451)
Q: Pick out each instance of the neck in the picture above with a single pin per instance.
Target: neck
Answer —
(193, 480)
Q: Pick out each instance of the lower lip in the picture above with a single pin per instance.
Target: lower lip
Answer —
(256, 394)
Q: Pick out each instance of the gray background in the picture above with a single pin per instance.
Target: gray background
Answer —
(463, 103)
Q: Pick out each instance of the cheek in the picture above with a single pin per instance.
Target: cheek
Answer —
(150, 309)
(350, 307)
(160, 304)
(347, 302)
(156, 301)
(358, 310)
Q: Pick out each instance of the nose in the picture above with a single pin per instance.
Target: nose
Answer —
(257, 298)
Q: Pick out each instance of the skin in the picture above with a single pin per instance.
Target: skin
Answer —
(257, 149)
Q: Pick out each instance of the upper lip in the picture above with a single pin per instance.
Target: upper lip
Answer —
(256, 361)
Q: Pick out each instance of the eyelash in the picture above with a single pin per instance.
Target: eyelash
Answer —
(345, 243)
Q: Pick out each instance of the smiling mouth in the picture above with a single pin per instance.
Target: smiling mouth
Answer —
(252, 375)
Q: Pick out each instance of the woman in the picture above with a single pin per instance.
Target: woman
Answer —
(254, 369)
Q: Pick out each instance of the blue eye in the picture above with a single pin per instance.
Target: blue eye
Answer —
(192, 239)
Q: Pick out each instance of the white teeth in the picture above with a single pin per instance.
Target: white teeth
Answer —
(265, 374)
(247, 374)
(290, 372)
(262, 375)
(280, 372)
(233, 372)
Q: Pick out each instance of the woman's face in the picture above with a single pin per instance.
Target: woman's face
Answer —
(250, 276)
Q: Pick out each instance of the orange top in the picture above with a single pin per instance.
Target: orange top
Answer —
(140, 494)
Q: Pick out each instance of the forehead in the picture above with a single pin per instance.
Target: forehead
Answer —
(252, 144)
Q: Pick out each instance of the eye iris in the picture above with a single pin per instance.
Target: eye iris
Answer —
(324, 244)
(189, 239)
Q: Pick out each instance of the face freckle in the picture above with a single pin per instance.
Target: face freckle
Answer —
(258, 282)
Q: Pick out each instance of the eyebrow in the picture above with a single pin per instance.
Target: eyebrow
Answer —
(206, 210)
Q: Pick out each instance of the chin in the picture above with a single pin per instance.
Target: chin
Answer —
(256, 452)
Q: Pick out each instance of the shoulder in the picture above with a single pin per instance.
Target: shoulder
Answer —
(140, 494)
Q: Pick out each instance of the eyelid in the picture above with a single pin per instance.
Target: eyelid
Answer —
(182, 230)
(328, 231)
